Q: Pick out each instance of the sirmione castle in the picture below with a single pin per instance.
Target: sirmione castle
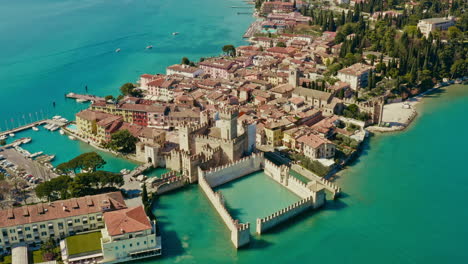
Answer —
(213, 155)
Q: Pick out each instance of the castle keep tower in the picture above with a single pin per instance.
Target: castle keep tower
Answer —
(293, 76)
(228, 123)
(184, 137)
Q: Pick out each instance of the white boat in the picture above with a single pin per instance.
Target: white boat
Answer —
(53, 128)
(3, 137)
(124, 171)
(11, 134)
(72, 137)
(27, 140)
(36, 154)
(61, 132)
(149, 47)
(175, 33)
(35, 128)
(117, 50)
(56, 117)
(81, 100)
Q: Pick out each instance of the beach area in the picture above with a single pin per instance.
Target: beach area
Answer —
(399, 116)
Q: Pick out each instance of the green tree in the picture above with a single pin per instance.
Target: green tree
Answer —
(48, 249)
(459, 68)
(109, 97)
(144, 195)
(229, 50)
(281, 44)
(454, 32)
(185, 61)
(130, 90)
(54, 189)
(123, 141)
(90, 161)
(2, 142)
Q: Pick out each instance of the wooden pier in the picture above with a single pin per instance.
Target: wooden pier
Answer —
(84, 97)
(28, 126)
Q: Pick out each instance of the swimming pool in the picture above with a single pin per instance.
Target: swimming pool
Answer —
(72, 127)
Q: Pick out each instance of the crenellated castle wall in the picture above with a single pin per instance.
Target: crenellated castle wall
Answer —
(169, 181)
(281, 175)
(240, 233)
(232, 149)
(222, 174)
(333, 188)
(284, 214)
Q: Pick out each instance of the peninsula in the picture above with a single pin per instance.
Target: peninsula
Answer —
(294, 106)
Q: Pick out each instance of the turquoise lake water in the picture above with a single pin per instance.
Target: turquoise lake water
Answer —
(255, 196)
(52, 47)
(404, 198)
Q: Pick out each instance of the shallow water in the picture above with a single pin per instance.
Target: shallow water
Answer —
(255, 196)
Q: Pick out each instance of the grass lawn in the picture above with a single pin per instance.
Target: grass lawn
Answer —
(6, 260)
(37, 256)
(82, 243)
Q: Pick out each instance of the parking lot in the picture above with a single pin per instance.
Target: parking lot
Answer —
(21, 174)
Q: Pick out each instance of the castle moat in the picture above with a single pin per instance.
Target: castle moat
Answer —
(255, 195)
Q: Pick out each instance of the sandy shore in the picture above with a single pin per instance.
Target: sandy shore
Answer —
(400, 115)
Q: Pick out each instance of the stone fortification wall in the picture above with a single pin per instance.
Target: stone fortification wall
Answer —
(284, 214)
(220, 175)
(173, 160)
(169, 184)
(240, 233)
(298, 187)
(281, 175)
(331, 187)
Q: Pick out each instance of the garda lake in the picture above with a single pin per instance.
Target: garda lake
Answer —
(404, 198)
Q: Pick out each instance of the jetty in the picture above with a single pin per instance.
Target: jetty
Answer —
(52, 123)
(84, 97)
(28, 126)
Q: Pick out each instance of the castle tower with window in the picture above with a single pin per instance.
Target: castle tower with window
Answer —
(228, 118)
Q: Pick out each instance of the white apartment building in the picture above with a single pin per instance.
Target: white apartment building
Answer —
(184, 70)
(356, 75)
(426, 26)
(129, 235)
(34, 224)
(316, 147)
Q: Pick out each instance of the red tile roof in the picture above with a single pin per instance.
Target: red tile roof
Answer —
(61, 209)
(127, 221)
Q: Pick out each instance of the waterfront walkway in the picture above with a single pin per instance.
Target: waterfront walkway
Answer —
(84, 97)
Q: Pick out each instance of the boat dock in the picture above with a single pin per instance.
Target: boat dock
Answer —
(28, 126)
(84, 97)
(50, 122)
